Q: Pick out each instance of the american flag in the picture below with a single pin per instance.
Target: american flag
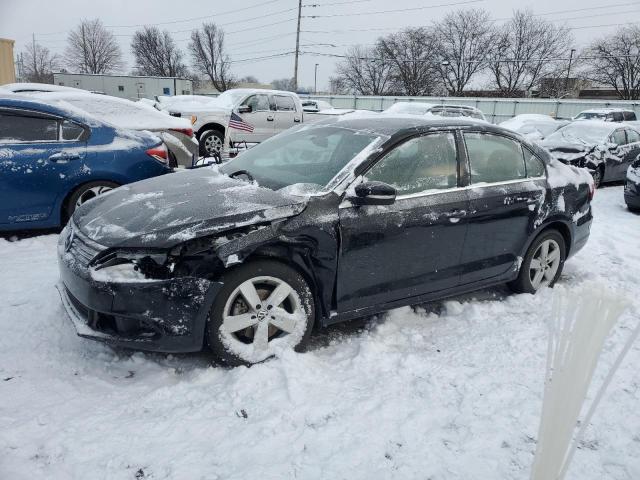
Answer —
(238, 123)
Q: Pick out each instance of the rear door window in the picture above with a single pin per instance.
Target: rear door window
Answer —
(493, 158)
(629, 116)
(284, 103)
(633, 136)
(617, 116)
(25, 128)
(72, 131)
(423, 163)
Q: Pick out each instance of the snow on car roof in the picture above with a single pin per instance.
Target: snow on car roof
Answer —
(38, 87)
(117, 111)
(606, 110)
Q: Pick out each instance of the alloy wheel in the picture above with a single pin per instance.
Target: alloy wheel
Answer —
(213, 145)
(92, 193)
(544, 264)
(263, 314)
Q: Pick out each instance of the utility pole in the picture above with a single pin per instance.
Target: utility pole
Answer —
(295, 68)
(315, 79)
(566, 82)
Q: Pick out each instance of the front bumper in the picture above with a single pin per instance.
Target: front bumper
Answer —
(161, 316)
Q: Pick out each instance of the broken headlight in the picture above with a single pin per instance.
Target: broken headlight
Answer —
(126, 266)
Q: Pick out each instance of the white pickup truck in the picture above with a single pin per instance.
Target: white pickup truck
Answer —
(237, 116)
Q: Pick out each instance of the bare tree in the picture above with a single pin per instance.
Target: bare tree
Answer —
(466, 39)
(286, 84)
(156, 53)
(528, 50)
(92, 49)
(365, 71)
(614, 61)
(209, 56)
(38, 63)
(411, 53)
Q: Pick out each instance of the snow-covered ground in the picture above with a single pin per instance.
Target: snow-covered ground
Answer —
(450, 390)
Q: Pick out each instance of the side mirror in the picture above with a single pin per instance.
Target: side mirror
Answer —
(245, 109)
(374, 193)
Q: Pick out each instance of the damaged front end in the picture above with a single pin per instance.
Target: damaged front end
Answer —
(132, 298)
(149, 299)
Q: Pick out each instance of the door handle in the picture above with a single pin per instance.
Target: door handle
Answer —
(456, 213)
(296, 119)
(270, 118)
(64, 157)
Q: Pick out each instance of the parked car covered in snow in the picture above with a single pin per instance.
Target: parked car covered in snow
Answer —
(239, 115)
(606, 149)
(632, 187)
(29, 88)
(315, 106)
(442, 110)
(607, 115)
(320, 224)
(533, 126)
(54, 159)
(176, 133)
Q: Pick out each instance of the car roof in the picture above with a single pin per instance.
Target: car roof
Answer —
(391, 124)
(261, 90)
(31, 102)
(606, 110)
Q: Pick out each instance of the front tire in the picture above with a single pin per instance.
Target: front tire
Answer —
(543, 263)
(264, 306)
(211, 143)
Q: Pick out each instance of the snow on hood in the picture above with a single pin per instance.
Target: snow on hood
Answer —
(119, 112)
(164, 211)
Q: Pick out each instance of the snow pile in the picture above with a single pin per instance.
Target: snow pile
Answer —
(453, 391)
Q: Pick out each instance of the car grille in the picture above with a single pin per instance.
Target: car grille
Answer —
(83, 249)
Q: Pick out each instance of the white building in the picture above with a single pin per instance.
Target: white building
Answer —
(126, 86)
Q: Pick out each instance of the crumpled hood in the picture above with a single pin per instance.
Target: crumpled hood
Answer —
(567, 151)
(164, 211)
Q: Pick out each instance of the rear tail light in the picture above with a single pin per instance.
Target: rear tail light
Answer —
(159, 152)
(186, 131)
(592, 190)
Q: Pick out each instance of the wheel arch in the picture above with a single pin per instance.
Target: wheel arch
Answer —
(211, 126)
(298, 258)
(561, 226)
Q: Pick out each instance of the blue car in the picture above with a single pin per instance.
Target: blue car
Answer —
(53, 159)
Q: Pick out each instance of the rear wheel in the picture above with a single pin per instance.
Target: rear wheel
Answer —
(86, 192)
(263, 307)
(542, 264)
(211, 143)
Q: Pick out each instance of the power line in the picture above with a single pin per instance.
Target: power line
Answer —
(260, 4)
(394, 11)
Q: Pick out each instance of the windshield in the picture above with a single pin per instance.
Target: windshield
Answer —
(581, 132)
(411, 108)
(591, 115)
(308, 155)
(231, 97)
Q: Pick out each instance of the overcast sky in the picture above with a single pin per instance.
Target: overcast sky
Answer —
(268, 29)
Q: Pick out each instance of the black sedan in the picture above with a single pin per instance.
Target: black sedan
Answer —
(604, 148)
(632, 187)
(320, 224)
